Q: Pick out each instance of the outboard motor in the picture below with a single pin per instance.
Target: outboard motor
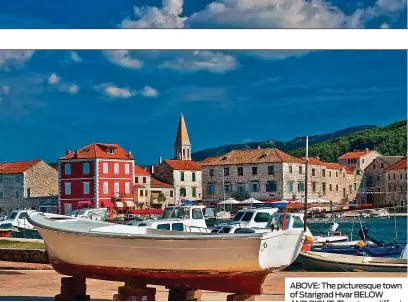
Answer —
(363, 234)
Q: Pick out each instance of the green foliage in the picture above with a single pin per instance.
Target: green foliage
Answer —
(240, 196)
(389, 140)
(161, 197)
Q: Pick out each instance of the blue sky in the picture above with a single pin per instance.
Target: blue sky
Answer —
(56, 100)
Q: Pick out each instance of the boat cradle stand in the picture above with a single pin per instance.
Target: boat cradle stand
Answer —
(74, 289)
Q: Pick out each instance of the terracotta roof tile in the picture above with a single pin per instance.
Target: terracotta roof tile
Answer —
(159, 184)
(350, 170)
(254, 156)
(138, 186)
(17, 167)
(402, 164)
(208, 160)
(354, 154)
(140, 171)
(315, 161)
(188, 165)
(99, 150)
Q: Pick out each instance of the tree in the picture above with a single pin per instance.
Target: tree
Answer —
(240, 196)
(161, 198)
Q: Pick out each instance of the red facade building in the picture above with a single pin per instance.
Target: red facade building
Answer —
(98, 175)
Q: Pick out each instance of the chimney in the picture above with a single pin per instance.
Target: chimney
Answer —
(76, 153)
(67, 152)
(160, 160)
(366, 150)
(152, 169)
(259, 147)
(130, 152)
(318, 157)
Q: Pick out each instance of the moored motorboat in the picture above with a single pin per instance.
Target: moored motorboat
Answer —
(236, 263)
(317, 261)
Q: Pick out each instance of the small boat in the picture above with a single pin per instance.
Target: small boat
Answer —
(332, 236)
(16, 225)
(326, 262)
(361, 249)
(380, 213)
(236, 263)
(91, 213)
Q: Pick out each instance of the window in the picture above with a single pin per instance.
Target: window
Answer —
(111, 151)
(1, 195)
(226, 171)
(179, 227)
(227, 188)
(298, 223)
(23, 215)
(378, 178)
(362, 160)
(183, 192)
(86, 187)
(337, 174)
(116, 168)
(314, 186)
(329, 173)
(116, 188)
(358, 172)
(271, 170)
(127, 188)
(300, 169)
(254, 170)
(197, 214)
(193, 176)
(400, 176)
(389, 176)
(240, 188)
(194, 191)
(144, 179)
(105, 168)
(28, 192)
(211, 172)
(210, 189)
(163, 226)
(290, 169)
(337, 187)
(301, 187)
(373, 166)
(254, 187)
(350, 188)
(290, 187)
(127, 168)
(324, 187)
(240, 171)
(271, 186)
(355, 187)
(17, 194)
(262, 217)
(181, 176)
(67, 169)
(141, 193)
(394, 176)
(313, 172)
(171, 193)
(330, 187)
(247, 216)
(67, 188)
(382, 165)
(136, 179)
(324, 172)
(105, 188)
(85, 168)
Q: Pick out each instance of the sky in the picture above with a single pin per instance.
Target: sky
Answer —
(51, 101)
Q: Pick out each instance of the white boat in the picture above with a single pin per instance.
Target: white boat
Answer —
(236, 263)
(223, 215)
(91, 213)
(380, 213)
(177, 218)
(17, 219)
(332, 236)
(328, 262)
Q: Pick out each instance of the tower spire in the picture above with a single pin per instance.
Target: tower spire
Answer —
(182, 145)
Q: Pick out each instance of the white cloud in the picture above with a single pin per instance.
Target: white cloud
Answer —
(4, 90)
(385, 25)
(148, 91)
(112, 91)
(74, 56)
(152, 17)
(53, 79)
(122, 58)
(15, 58)
(202, 60)
(69, 88)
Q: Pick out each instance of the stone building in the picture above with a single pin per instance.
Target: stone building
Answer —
(270, 174)
(396, 184)
(181, 172)
(375, 179)
(358, 159)
(141, 190)
(162, 194)
(25, 184)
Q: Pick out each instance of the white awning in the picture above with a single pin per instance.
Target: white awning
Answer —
(229, 201)
(251, 200)
(119, 204)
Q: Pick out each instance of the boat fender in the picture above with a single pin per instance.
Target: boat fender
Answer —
(360, 244)
(308, 239)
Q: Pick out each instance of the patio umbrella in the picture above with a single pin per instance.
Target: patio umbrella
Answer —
(252, 201)
(229, 201)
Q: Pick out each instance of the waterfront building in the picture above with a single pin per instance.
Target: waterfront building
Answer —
(358, 159)
(271, 174)
(162, 194)
(376, 179)
(97, 175)
(28, 184)
(181, 172)
(142, 188)
(396, 184)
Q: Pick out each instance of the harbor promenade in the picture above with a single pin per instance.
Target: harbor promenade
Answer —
(36, 282)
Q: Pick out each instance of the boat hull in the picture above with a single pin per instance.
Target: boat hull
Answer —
(316, 261)
(232, 263)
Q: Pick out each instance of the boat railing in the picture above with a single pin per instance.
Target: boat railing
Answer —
(191, 228)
